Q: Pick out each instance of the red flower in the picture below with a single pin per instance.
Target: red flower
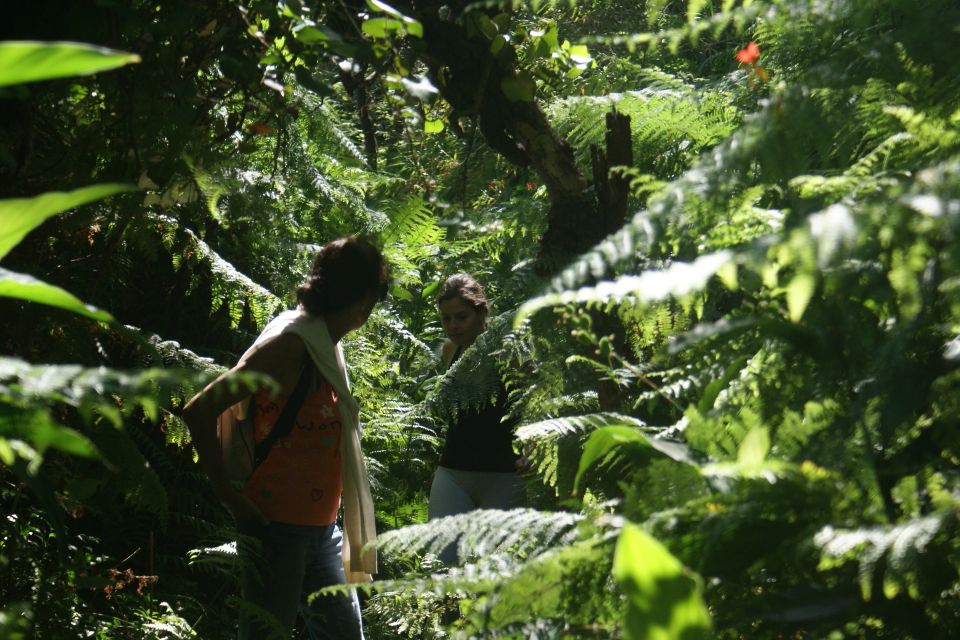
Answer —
(260, 129)
(749, 54)
(531, 185)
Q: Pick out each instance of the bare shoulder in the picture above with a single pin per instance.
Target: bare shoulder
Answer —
(279, 358)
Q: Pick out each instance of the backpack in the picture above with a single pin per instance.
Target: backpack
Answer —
(238, 446)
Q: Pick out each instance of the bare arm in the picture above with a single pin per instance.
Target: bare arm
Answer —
(279, 359)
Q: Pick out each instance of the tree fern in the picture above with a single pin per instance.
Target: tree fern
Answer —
(229, 286)
(733, 17)
(507, 576)
(472, 380)
(679, 279)
(524, 532)
(328, 129)
(669, 126)
(410, 239)
(894, 557)
(541, 442)
(572, 582)
(110, 393)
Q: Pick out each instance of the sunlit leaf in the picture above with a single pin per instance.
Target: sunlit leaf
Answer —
(7, 454)
(799, 292)
(433, 126)
(311, 35)
(580, 54)
(27, 61)
(663, 600)
(754, 448)
(19, 216)
(24, 287)
(400, 293)
(381, 27)
(406, 23)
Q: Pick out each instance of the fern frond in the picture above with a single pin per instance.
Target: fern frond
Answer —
(327, 129)
(169, 353)
(136, 481)
(548, 430)
(583, 402)
(111, 393)
(541, 441)
(473, 380)
(524, 532)
(229, 286)
(620, 248)
(477, 576)
(671, 122)
(168, 626)
(570, 581)
(515, 5)
(211, 189)
(413, 227)
(386, 318)
(736, 17)
(872, 162)
(891, 556)
(677, 280)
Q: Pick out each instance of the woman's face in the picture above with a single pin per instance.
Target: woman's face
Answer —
(361, 309)
(461, 322)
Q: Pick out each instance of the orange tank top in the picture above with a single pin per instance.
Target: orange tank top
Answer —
(299, 481)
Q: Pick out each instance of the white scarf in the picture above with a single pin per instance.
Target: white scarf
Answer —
(359, 526)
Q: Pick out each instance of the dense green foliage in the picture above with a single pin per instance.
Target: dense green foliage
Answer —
(738, 399)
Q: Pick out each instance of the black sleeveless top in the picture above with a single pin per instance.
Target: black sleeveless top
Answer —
(477, 440)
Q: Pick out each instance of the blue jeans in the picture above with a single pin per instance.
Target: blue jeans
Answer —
(294, 561)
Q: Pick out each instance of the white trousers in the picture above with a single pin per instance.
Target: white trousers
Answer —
(455, 491)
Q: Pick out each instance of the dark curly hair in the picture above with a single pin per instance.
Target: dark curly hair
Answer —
(344, 271)
(466, 288)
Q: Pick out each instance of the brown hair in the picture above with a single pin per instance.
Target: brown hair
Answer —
(466, 288)
(344, 271)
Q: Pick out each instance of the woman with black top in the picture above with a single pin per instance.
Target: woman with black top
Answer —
(478, 468)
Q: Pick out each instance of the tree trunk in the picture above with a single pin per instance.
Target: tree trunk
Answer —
(612, 189)
(356, 85)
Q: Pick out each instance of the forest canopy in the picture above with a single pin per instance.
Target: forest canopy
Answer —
(718, 242)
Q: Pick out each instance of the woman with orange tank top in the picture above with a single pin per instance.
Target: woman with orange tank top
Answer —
(289, 504)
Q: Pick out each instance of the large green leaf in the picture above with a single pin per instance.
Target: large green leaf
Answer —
(19, 216)
(27, 61)
(24, 287)
(410, 25)
(622, 439)
(663, 600)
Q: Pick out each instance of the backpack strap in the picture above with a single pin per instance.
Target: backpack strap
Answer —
(284, 423)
